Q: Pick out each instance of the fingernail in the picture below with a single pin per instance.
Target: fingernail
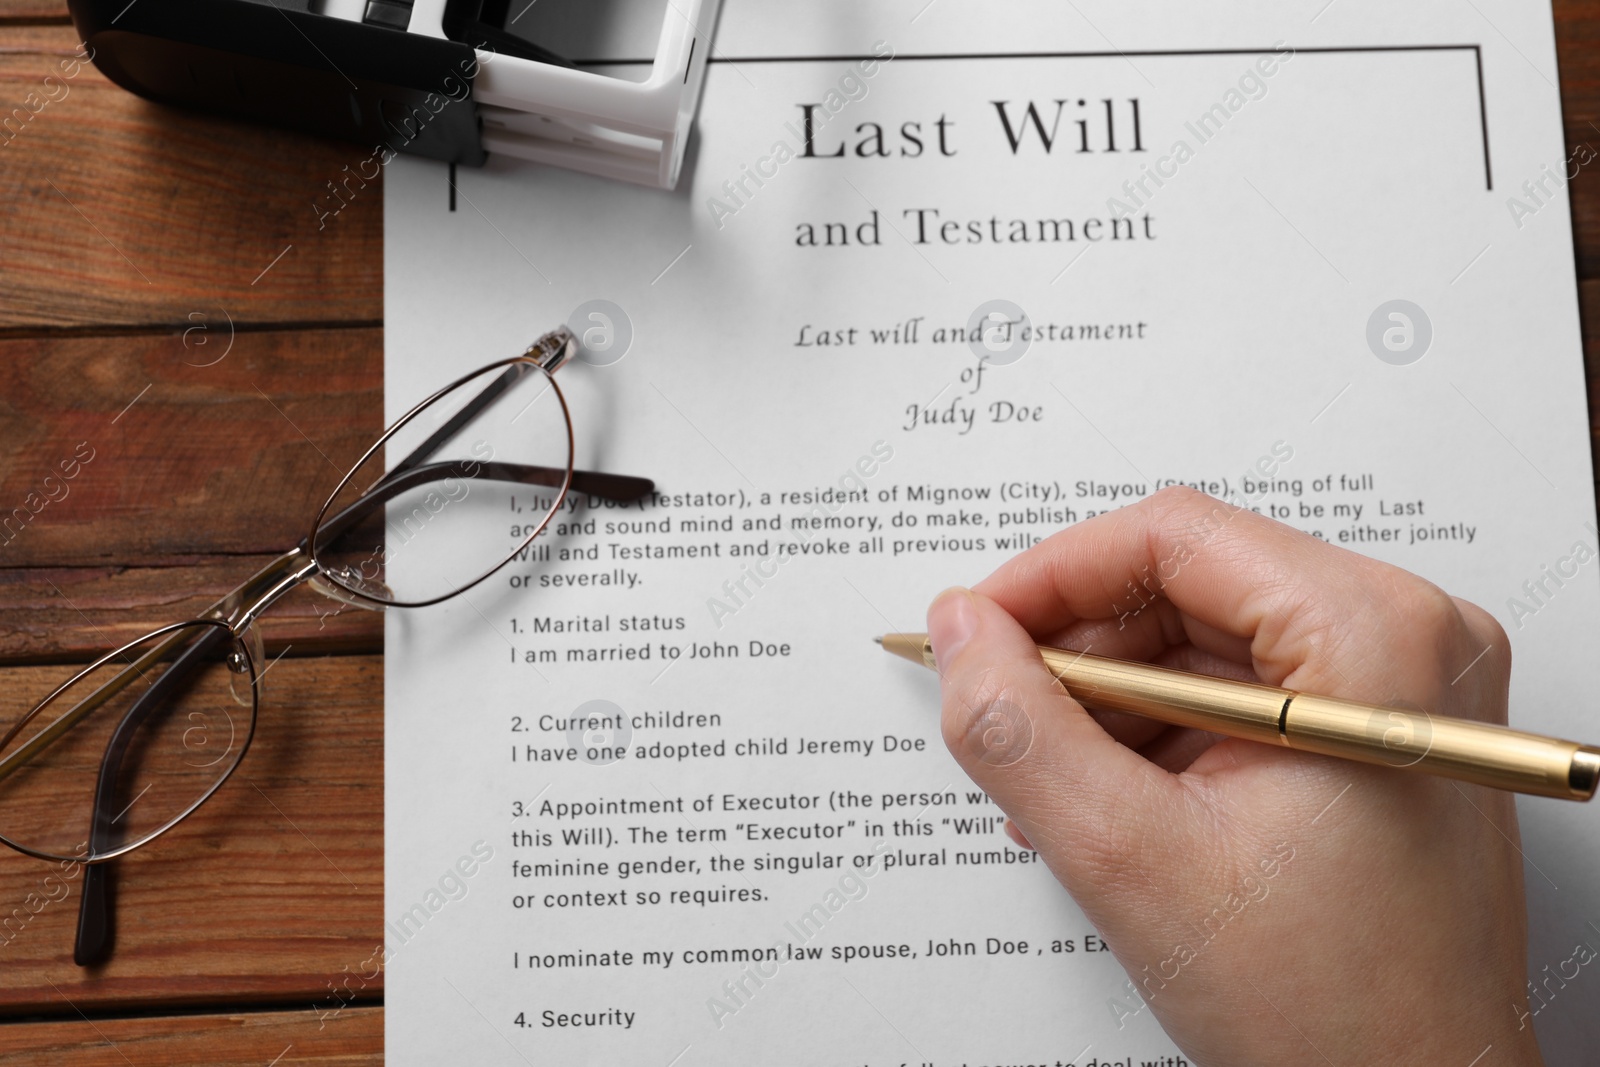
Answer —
(952, 620)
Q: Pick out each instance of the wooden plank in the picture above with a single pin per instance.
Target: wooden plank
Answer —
(1578, 55)
(1589, 311)
(72, 614)
(282, 1039)
(175, 460)
(34, 10)
(138, 213)
(271, 892)
(1585, 193)
(209, 473)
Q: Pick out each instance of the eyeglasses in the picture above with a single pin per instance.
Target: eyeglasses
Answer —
(129, 747)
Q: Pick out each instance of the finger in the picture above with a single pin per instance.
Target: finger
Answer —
(1159, 628)
(1174, 750)
(1199, 661)
(1316, 617)
(1214, 562)
(1089, 804)
(1137, 731)
(1129, 730)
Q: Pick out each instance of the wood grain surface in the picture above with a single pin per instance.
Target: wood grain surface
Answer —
(354, 1039)
(170, 299)
(22, 12)
(188, 478)
(121, 212)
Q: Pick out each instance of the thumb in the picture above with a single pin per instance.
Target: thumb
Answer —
(1089, 804)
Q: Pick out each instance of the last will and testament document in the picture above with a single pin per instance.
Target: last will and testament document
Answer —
(942, 278)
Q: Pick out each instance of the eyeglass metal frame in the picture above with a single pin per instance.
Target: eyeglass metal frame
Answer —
(233, 616)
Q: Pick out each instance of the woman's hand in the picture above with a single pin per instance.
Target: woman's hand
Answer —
(1270, 906)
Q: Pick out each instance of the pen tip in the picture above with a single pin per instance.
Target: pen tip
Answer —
(910, 646)
(879, 640)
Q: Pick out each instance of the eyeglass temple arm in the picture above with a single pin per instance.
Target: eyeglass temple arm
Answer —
(471, 410)
(550, 351)
(93, 940)
(94, 911)
(623, 487)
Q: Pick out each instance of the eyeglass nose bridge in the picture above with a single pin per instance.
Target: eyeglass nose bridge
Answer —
(239, 610)
(333, 591)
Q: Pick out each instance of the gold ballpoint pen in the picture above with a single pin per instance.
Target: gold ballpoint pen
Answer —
(1495, 756)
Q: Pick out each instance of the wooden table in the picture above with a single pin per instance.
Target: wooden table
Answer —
(141, 244)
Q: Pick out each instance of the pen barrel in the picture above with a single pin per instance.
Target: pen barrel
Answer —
(1490, 755)
(1220, 705)
(1483, 753)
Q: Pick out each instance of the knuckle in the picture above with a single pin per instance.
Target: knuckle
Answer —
(1486, 628)
(1425, 607)
(1174, 496)
(1178, 509)
(1183, 507)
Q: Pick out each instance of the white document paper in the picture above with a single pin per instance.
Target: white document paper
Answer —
(1209, 252)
